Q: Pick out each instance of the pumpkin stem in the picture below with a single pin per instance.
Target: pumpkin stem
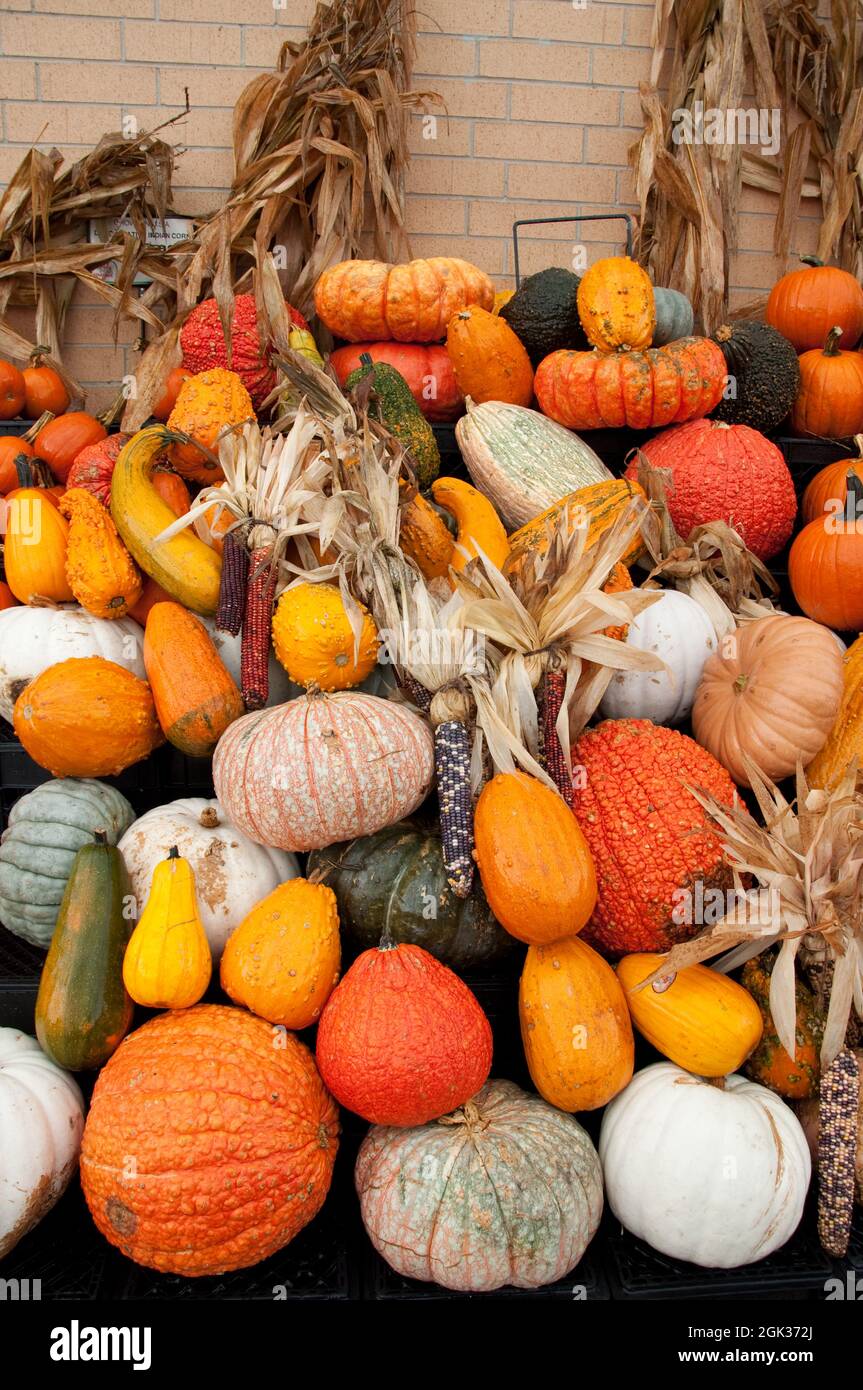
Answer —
(810, 260)
(173, 852)
(387, 941)
(717, 1081)
(830, 345)
(24, 471)
(724, 333)
(39, 601)
(740, 684)
(109, 416)
(209, 818)
(44, 419)
(101, 837)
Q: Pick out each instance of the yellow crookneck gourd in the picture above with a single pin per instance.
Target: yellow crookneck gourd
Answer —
(479, 525)
(167, 963)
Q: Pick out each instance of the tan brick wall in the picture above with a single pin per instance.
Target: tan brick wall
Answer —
(542, 107)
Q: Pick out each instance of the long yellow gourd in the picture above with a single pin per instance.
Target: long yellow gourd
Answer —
(184, 566)
(845, 740)
(167, 964)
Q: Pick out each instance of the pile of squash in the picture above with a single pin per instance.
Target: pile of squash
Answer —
(310, 893)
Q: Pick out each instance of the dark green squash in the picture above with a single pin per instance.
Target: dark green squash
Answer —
(765, 372)
(396, 878)
(392, 403)
(83, 1011)
(543, 313)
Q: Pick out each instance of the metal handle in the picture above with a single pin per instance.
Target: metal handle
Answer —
(586, 217)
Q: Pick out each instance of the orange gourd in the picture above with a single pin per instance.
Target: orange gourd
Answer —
(7, 598)
(825, 564)
(94, 467)
(11, 447)
(35, 547)
(207, 404)
(215, 1194)
(616, 305)
(43, 389)
(425, 538)
(314, 641)
(101, 573)
(172, 489)
(805, 304)
(282, 962)
(795, 1077)
(828, 490)
(87, 717)
(575, 1026)
(489, 361)
(830, 400)
(60, 441)
(151, 594)
(170, 391)
(536, 867)
(600, 503)
(413, 303)
(12, 391)
(195, 697)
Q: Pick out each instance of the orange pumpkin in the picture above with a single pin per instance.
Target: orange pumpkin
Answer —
(12, 391)
(534, 862)
(60, 441)
(805, 304)
(87, 717)
(828, 490)
(413, 303)
(35, 546)
(825, 564)
(830, 400)
(639, 390)
(43, 389)
(7, 598)
(195, 697)
(170, 391)
(172, 489)
(489, 361)
(206, 1197)
(207, 404)
(11, 448)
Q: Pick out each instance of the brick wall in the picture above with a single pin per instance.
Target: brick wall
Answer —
(542, 100)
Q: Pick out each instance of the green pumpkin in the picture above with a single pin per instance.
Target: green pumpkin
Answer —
(396, 879)
(674, 317)
(394, 405)
(46, 829)
(82, 1009)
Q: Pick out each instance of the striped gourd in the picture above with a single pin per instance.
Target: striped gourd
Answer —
(845, 740)
(603, 502)
(522, 461)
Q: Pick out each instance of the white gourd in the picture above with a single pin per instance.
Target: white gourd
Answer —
(715, 1172)
(677, 629)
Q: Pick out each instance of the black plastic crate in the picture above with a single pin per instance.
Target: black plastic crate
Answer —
(806, 456)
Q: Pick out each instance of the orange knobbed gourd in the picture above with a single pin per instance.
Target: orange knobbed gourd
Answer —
(575, 1026)
(534, 861)
(651, 840)
(207, 1197)
(195, 696)
(87, 717)
(101, 573)
(402, 1040)
(207, 404)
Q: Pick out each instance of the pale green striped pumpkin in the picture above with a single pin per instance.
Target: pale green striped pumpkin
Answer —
(522, 461)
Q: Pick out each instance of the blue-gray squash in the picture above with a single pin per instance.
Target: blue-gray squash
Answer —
(674, 317)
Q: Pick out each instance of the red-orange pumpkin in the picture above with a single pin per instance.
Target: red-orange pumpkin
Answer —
(94, 466)
(11, 445)
(639, 390)
(12, 391)
(43, 389)
(171, 390)
(426, 368)
(401, 1039)
(239, 1155)
(651, 840)
(60, 441)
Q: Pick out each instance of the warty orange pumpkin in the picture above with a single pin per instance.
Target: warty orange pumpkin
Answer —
(94, 466)
(616, 305)
(195, 697)
(575, 1026)
(87, 717)
(412, 303)
(489, 361)
(206, 1198)
(101, 573)
(535, 864)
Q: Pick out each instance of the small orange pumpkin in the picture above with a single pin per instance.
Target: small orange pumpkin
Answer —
(12, 391)
(489, 361)
(170, 391)
(829, 403)
(805, 304)
(11, 448)
(825, 564)
(195, 697)
(207, 404)
(828, 490)
(60, 441)
(43, 389)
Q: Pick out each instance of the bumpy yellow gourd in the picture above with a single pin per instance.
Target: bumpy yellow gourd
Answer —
(167, 963)
(314, 641)
(845, 740)
(478, 523)
(99, 569)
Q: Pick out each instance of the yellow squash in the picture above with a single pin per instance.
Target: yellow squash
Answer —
(478, 523)
(167, 963)
(184, 566)
(600, 503)
(703, 1021)
(845, 740)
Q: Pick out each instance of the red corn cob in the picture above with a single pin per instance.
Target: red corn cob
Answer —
(554, 683)
(255, 651)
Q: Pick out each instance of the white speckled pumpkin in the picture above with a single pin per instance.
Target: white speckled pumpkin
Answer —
(41, 1123)
(715, 1171)
(678, 630)
(323, 768)
(506, 1190)
(232, 873)
(32, 639)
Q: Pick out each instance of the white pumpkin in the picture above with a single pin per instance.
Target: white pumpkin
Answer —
(232, 872)
(715, 1172)
(41, 1123)
(32, 639)
(678, 630)
(230, 650)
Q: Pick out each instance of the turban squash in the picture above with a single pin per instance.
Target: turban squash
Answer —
(207, 1198)
(639, 390)
(412, 303)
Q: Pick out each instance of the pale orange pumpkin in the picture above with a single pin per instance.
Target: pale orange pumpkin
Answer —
(413, 303)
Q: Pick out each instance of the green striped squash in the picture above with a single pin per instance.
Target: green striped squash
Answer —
(523, 461)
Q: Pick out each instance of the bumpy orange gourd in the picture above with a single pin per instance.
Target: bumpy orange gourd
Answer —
(413, 303)
(207, 404)
(845, 740)
(795, 1077)
(575, 1026)
(282, 962)
(616, 305)
(534, 862)
(101, 573)
(478, 523)
(702, 1020)
(830, 400)
(94, 467)
(489, 361)
(425, 538)
(195, 697)
(204, 1198)
(618, 582)
(313, 639)
(639, 390)
(650, 839)
(601, 503)
(805, 304)
(87, 717)
(35, 547)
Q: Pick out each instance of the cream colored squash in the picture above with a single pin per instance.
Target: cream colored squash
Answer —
(678, 630)
(41, 1123)
(714, 1172)
(232, 873)
(32, 639)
